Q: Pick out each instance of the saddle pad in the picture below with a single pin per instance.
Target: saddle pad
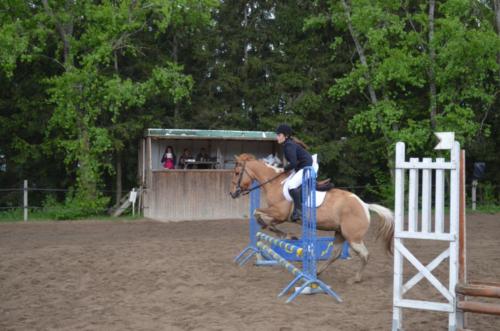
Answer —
(320, 196)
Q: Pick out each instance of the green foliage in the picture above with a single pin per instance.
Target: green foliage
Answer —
(81, 80)
(95, 86)
(397, 50)
(75, 206)
(488, 195)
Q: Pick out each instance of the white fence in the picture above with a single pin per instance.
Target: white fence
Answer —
(420, 225)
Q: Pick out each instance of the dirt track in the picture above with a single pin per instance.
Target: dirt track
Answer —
(179, 276)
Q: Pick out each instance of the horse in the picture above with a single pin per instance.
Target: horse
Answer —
(341, 211)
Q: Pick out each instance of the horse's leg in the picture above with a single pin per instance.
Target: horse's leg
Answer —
(362, 252)
(337, 251)
(281, 234)
(258, 213)
(264, 217)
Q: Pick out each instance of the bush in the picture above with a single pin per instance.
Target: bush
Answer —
(75, 207)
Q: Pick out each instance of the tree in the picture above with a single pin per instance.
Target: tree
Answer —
(410, 52)
(90, 90)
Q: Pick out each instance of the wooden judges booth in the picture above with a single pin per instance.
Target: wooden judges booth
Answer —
(199, 188)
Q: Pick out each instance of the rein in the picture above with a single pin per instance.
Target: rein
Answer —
(247, 191)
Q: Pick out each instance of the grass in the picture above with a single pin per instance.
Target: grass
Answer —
(488, 209)
(40, 215)
(16, 215)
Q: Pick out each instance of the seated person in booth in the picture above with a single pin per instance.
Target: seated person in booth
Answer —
(168, 159)
(203, 157)
(186, 155)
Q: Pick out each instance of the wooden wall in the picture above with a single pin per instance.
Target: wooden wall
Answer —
(175, 195)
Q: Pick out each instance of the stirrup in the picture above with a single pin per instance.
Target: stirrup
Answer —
(296, 218)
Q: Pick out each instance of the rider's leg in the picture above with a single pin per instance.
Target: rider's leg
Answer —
(296, 195)
(295, 190)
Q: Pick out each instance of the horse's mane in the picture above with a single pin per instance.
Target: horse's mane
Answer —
(246, 157)
(250, 157)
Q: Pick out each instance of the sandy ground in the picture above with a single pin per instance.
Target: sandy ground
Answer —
(146, 275)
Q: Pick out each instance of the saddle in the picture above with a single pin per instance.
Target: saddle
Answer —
(324, 185)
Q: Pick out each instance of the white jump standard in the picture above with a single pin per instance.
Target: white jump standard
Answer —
(420, 227)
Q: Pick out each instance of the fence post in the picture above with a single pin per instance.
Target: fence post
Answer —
(474, 187)
(25, 200)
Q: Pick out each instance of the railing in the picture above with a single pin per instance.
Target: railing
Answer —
(28, 204)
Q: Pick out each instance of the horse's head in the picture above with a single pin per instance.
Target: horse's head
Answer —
(242, 178)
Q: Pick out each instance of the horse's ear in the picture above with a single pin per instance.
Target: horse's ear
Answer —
(237, 158)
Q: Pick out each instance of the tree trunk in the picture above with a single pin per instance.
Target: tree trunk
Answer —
(360, 51)
(87, 182)
(431, 70)
(65, 31)
(86, 177)
(496, 6)
(245, 67)
(371, 89)
(118, 165)
(175, 55)
(118, 177)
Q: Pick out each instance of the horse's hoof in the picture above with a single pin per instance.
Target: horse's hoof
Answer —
(261, 223)
(354, 280)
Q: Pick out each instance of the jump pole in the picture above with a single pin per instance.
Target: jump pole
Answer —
(254, 228)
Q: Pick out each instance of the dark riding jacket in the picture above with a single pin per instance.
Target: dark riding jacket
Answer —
(297, 157)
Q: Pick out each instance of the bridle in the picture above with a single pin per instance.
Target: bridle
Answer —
(241, 191)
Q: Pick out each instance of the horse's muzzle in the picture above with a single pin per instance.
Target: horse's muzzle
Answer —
(235, 194)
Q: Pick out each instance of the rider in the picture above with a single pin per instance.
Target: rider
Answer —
(298, 158)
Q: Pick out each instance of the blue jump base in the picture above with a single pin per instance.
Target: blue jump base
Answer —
(324, 248)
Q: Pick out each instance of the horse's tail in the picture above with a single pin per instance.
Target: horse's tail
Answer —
(385, 228)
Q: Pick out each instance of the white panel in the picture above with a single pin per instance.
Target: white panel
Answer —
(454, 220)
(399, 189)
(430, 277)
(426, 197)
(413, 198)
(425, 305)
(431, 266)
(439, 200)
(425, 236)
(429, 165)
(398, 220)
(401, 252)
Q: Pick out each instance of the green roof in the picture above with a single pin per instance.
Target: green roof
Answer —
(210, 134)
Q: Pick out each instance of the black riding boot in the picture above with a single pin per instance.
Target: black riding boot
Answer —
(296, 195)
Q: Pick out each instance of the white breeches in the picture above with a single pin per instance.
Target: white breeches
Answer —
(295, 178)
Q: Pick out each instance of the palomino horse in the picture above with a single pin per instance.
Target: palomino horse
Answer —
(341, 211)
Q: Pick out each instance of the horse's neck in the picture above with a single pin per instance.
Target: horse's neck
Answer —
(263, 173)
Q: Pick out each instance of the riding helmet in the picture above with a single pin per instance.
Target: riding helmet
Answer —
(285, 129)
